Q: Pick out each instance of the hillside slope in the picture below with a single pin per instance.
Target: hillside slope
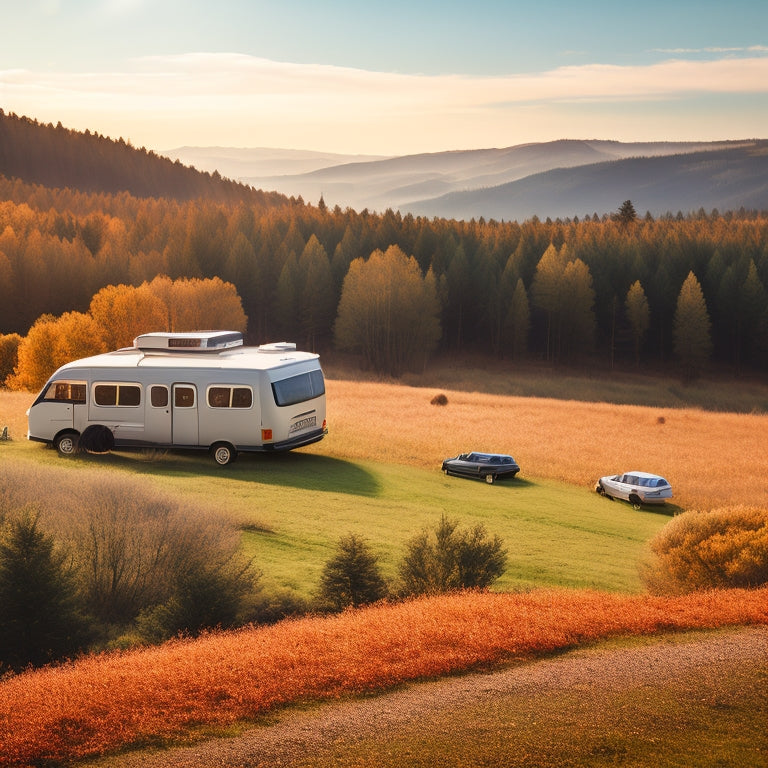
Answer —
(59, 158)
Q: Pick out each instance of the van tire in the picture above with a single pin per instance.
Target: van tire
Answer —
(223, 453)
(67, 443)
(634, 500)
(490, 478)
(97, 439)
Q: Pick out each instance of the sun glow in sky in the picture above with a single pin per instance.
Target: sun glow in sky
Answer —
(387, 78)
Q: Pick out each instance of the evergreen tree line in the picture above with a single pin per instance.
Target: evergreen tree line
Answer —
(571, 291)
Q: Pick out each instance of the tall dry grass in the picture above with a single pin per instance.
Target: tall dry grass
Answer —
(711, 459)
(102, 703)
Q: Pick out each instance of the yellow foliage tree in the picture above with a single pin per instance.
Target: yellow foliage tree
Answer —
(52, 342)
(389, 312)
(196, 304)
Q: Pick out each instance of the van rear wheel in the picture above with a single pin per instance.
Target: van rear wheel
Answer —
(223, 453)
(635, 501)
(67, 443)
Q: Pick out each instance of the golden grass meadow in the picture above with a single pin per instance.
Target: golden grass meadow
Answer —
(96, 705)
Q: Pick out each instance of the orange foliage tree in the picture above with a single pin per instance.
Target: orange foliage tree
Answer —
(52, 342)
(199, 304)
(122, 312)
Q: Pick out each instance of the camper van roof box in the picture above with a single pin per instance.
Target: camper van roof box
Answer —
(189, 342)
(278, 346)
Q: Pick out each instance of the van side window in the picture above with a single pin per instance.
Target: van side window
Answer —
(158, 396)
(230, 397)
(123, 395)
(66, 392)
(183, 397)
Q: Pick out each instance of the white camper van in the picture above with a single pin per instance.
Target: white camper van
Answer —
(184, 390)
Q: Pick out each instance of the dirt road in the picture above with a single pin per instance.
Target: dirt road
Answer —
(593, 675)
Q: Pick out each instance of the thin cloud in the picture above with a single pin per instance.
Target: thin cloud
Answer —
(716, 49)
(241, 100)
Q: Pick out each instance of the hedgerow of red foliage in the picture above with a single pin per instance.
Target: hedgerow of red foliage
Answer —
(101, 703)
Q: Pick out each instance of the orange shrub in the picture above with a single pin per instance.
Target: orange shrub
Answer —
(710, 550)
(101, 703)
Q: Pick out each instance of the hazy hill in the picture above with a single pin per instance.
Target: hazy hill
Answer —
(463, 184)
(725, 179)
(56, 157)
(258, 162)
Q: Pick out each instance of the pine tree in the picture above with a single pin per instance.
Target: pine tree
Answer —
(352, 578)
(638, 315)
(519, 321)
(691, 329)
(40, 620)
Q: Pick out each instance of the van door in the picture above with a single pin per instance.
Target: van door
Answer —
(56, 409)
(157, 415)
(184, 418)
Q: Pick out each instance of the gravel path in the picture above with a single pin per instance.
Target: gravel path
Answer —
(294, 734)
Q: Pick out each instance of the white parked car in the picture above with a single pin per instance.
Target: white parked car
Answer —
(637, 488)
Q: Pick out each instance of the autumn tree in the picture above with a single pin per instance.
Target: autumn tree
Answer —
(638, 315)
(388, 312)
(124, 311)
(518, 322)
(315, 292)
(9, 354)
(546, 292)
(52, 342)
(203, 304)
(577, 317)
(691, 329)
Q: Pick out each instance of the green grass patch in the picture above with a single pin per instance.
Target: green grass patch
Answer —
(292, 508)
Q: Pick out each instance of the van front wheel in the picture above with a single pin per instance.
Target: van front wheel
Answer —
(223, 454)
(66, 443)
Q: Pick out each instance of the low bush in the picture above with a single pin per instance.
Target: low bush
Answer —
(448, 559)
(135, 550)
(723, 548)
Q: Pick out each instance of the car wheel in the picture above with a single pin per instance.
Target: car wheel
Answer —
(67, 443)
(599, 488)
(635, 501)
(223, 454)
(445, 470)
(490, 478)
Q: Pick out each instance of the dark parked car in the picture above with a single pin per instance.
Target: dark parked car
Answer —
(484, 466)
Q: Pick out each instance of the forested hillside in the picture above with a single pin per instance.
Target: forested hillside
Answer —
(638, 291)
(60, 158)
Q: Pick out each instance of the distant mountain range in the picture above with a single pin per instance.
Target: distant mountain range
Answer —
(564, 178)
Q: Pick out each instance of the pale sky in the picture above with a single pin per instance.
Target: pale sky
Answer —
(363, 76)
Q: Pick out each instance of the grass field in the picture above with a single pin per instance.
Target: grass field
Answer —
(377, 474)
